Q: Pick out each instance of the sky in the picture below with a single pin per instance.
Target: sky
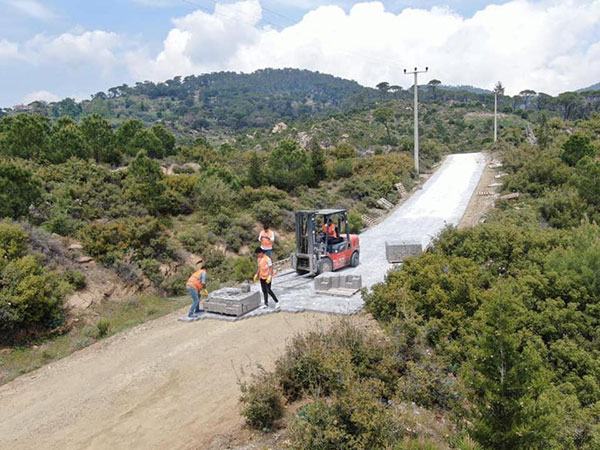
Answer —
(55, 49)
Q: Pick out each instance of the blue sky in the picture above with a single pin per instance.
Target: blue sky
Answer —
(58, 48)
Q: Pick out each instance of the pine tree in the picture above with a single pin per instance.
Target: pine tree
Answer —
(255, 171)
(507, 375)
(317, 160)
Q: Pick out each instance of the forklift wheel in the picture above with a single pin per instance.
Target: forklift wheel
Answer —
(354, 259)
(325, 265)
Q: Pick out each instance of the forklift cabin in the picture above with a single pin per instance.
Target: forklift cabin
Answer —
(318, 252)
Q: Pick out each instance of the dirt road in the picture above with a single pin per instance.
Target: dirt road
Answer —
(168, 384)
(165, 384)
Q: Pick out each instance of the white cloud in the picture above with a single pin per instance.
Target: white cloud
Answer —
(8, 50)
(89, 48)
(40, 95)
(32, 8)
(73, 51)
(547, 45)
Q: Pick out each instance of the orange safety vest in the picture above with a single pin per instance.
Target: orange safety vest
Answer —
(264, 271)
(195, 280)
(265, 239)
(331, 231)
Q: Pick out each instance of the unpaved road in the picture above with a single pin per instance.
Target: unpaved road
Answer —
(162, 385)
(172, 385)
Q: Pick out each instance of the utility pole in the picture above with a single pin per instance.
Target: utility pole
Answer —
(498, 89)
(416, 111)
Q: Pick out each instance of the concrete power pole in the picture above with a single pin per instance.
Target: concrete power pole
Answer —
(498, 89)
(416, 111)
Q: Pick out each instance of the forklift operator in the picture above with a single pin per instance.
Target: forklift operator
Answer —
(329, 230)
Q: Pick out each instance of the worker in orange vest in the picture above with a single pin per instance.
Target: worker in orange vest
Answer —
(196, 286)
(266, 238)
(265, 275)
(329, 229)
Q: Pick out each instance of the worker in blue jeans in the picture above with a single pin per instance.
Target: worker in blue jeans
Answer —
(196, 286)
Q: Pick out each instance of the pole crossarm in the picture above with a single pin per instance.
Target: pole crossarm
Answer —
(416, 110)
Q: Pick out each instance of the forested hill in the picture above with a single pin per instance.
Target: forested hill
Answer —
(220, 102)
(221, 106)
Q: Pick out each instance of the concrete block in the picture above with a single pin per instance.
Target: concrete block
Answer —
(352, 282)
(397, 251)
(337, 284)
(232, 301)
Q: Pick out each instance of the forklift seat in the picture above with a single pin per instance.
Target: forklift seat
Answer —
(338, 246)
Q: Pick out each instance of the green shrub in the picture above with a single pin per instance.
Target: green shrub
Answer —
(323, 362)
(244, 268)
(249, 196)
(196, 239)
(142, 238)
(19, 190)
(262, 403)
(356, 419)
(355, 222)
(175, 284)
(151, 268)
(102, 327)
(342, 168)
(13, 242)
(31, 299)
(267, 212)
(213, 194)
(289, 166)
(575, 148)
(563, 208)
(76, 278)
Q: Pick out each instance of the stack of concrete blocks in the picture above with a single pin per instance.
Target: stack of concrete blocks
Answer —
(337, 284)
(232, 301)
(397, 251)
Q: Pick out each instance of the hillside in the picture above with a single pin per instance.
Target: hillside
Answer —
(219, 103)
(593, 87)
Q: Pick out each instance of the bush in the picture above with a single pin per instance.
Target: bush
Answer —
(357, 419)
(243, 269)
(355, 222)
(261, 399)
(141, 238)
(13, 242)
(213, 194)
(289, 166)
(76, 278)
(563, 208)
(102, 328)
(322, 362)
(18, 190)
(342, 168)
(31, 299)
(175, 284)
(575, 148)
(267, 212)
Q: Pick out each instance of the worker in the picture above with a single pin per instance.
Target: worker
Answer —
(266, 238)
(265, 275)
(329, 229)
(196, 286)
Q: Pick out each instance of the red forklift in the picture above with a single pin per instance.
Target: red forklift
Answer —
(317, 251)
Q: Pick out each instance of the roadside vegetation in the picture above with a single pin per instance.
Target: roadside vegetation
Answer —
(141, 180)
(492, 332)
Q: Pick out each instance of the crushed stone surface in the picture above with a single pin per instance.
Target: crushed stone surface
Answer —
(442, 201)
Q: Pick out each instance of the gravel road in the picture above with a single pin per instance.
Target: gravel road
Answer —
(168, 384)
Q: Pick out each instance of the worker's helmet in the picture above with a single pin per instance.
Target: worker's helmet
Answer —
(258, 251)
